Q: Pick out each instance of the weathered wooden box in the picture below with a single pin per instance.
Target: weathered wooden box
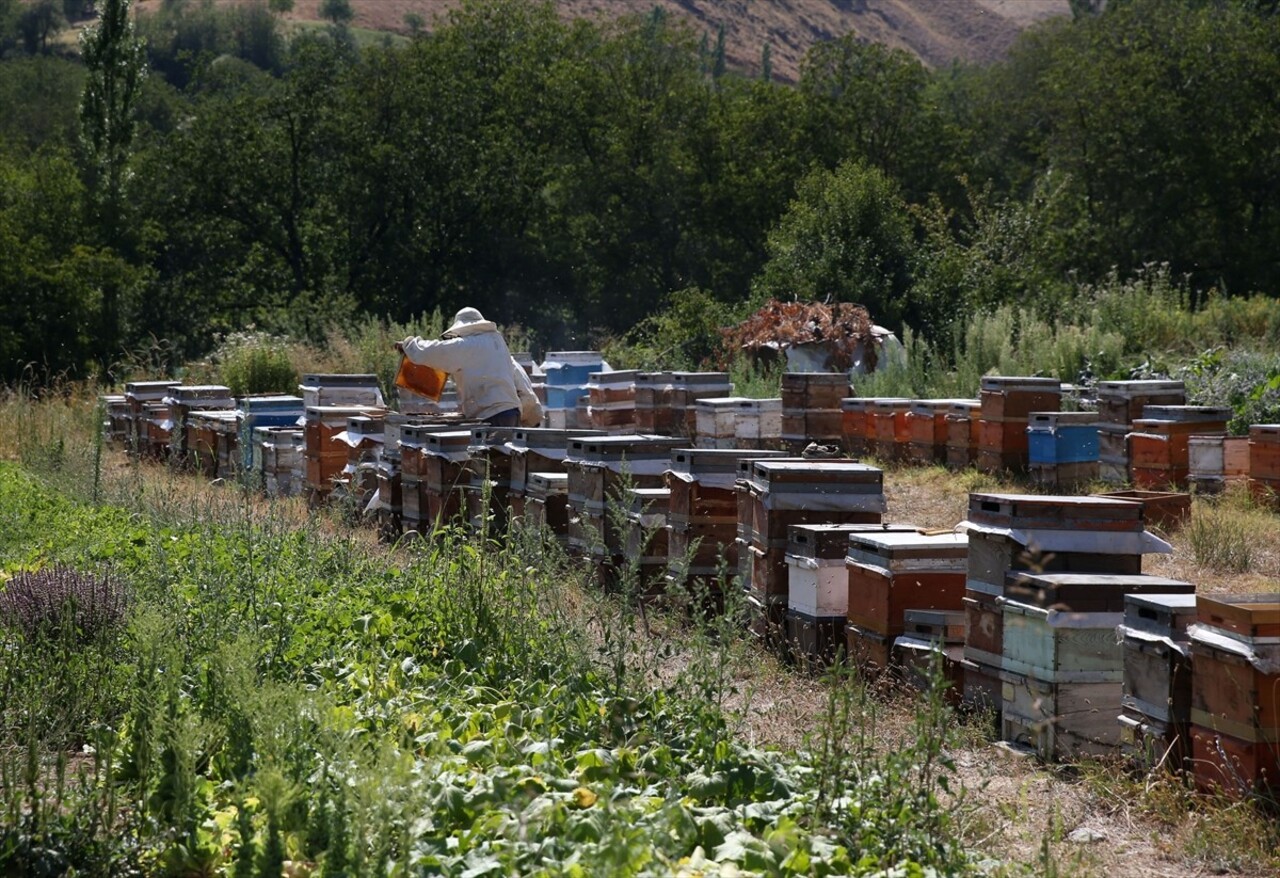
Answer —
(1060, 720)
(890, 573)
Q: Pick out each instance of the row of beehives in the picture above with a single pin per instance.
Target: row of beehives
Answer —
(1019, 608)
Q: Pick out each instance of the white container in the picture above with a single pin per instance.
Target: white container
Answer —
(818, 587)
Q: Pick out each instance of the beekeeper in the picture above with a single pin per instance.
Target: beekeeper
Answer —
(492, 386)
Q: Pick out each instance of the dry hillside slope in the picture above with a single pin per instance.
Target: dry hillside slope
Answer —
(937, 31)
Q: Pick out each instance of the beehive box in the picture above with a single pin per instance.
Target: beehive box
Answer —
(868, 651)
(142, 398)
(1215, 461)
(815, 641)
(890, 573)
(855, 425)
(330, 389)
(645, 543)
(1264, 462)
(601, 467)
(1060, 720)
(653, 403)
(540, 449)
(927, 430)
(1120, 402)
(1087, 592)
(787, 492)
(267, 410)
(811, 407)
(1235, 683)
(1050, 512)
(1113, 453)
(1166, 510)
(962, 434)
(185, 399)
(689, 387)
(1007, 403)
(817, 579)
(889, 423)
(1156, 698)
(611, 400)
(702, 482)
(547, 503)
(1062, 437)
(1062, 646)
(717, 421)
(931, 650)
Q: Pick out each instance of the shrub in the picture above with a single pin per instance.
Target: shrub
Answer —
(61, 602)
(257, 364)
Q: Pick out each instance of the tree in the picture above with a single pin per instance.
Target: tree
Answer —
(337, 11)
(115, 64)
(847, 237)
(38, 22)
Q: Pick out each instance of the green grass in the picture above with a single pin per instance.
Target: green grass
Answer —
(287, 691)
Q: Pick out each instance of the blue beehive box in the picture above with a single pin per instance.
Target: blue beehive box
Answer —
(571, 369)
(1062, 437)
(265, 411)
(564, 397)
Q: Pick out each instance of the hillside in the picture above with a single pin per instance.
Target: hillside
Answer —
(936, 31)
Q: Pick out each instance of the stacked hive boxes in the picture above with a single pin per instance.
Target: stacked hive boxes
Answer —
(1159, 453)
(1013, 532)
(272, 410)
(927, 430)
(1155, 706)
(150, 420)
(653, 403)
(780, 493)
(818, 588)
(703, 513)
(645, 549)
(890, 573)
(192, 444)
(890, 436)
(116, 418)
(566, 376)
(538, 450)
(962, 434)
(488, 490)
(363, 439)
(1264, 462)
(611, 401)
(1007, 404)
(600, 470)
(1062, 448)
(279, 452)
(686, 389)
(931, 648)
(811, 408)
(1062, 668)
(422, 466)
(1213, 462)
(1235, 693)
(738, 422)
(1120, 403)
(546, 503)
(856, 427)
(328, 400)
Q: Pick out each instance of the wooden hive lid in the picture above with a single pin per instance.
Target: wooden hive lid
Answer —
(798, 380)
(909, 544)
(1050, 512)
(693, 380)
(617, 376)
(1264, 432)
(784, 471)
(935, 406)
(1143, 387)
(969, 407)
(1015, 383)
(648, 501)
(1051, 420)
(832, 540)
(889, 404)
(714, 403)
(548, 483)
(654, 378)
(1186, 413)
(1244, 615)
(1086, 592)
(857, 403)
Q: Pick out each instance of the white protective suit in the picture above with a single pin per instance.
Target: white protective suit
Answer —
(489, 381)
